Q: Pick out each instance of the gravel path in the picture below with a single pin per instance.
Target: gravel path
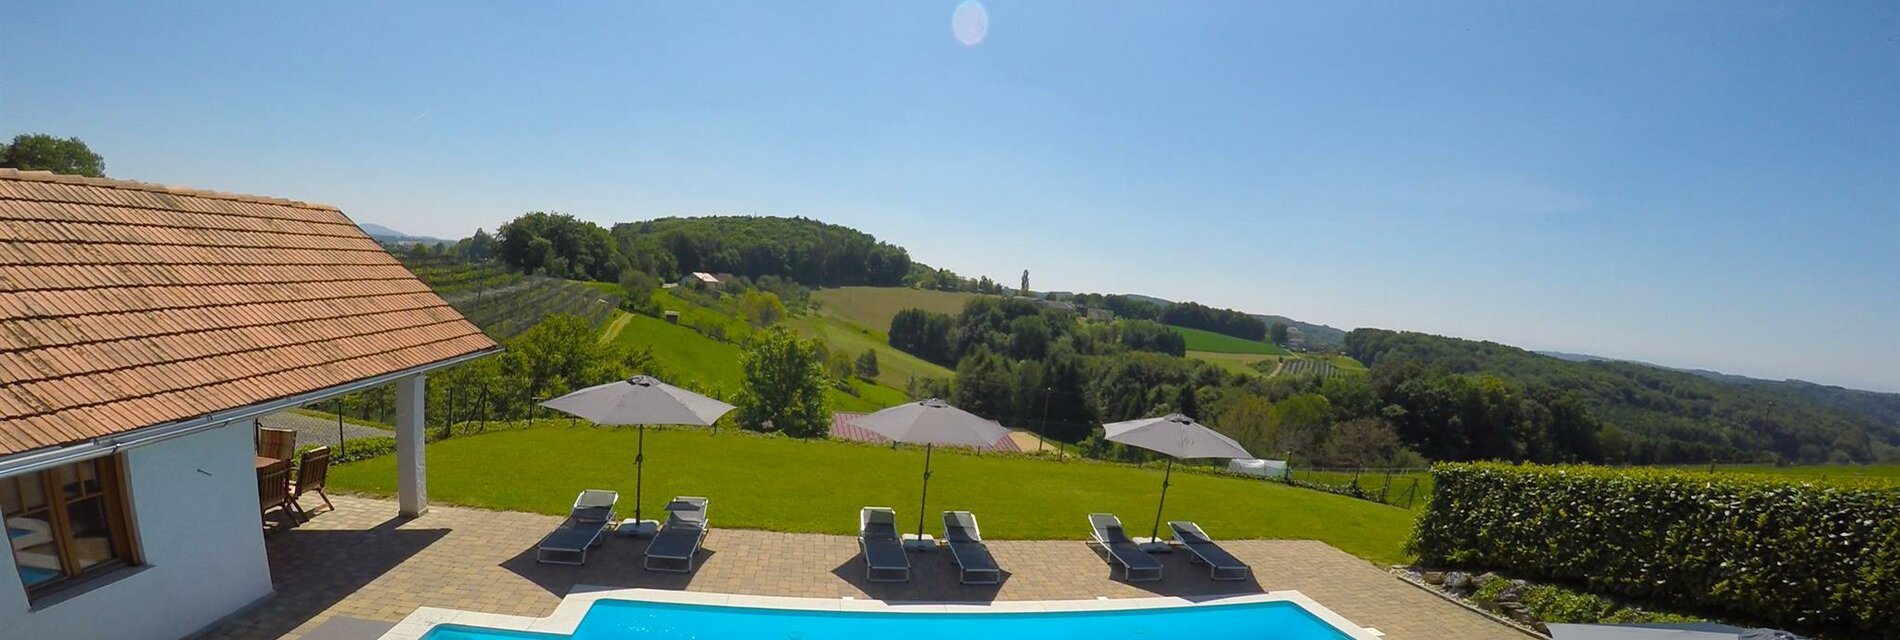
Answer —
(314, 430)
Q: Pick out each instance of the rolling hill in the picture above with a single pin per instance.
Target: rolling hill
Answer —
(873, 307)
(1199, 340)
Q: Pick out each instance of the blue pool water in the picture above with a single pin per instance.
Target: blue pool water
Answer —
(628, 620)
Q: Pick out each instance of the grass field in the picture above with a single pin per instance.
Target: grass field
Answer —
(873, 307)
(894, 368)
(697, 361)
(783, 484)
(1198, 340)
(1235, 362)
(1816, 471)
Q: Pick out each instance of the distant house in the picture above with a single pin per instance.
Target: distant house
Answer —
(701, 280)
(1058, 305)
(143, 330)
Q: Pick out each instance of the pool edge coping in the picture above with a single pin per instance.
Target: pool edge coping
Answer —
(566, 617)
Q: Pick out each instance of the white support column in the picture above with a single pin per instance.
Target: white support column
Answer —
(412, 483)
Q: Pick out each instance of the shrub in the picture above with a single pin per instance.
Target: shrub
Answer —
(1790, 552)
(356, 449)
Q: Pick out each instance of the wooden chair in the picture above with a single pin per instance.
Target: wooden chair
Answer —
(279, 444)
(273, 489)
(312, 472)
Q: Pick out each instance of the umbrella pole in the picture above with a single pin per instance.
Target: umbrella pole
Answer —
(1155, 536)
(926, 497)
(639, 474)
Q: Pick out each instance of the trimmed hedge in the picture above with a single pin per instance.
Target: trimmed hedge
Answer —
(1789, 552)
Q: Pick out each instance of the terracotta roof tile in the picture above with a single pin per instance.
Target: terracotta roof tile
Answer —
(125, 305)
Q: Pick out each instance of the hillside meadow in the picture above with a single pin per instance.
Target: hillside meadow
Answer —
(873, 307)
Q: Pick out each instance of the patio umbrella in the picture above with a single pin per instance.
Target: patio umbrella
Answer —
(1178, 437)
(931, 422)
(640, 400)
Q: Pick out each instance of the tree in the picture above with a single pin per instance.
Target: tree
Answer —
(560, 246)
(42, 152)
(1025, 289)
(1277, 333)
(477, 248)
(761, 308)
(867, 364)
(639, 287)
(784, 385)
(1363, 443)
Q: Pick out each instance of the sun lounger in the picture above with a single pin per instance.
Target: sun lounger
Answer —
(1137, 565)
(1221, 565)
(592, 514)
(884, 558)
(975, 565)
(680, 536)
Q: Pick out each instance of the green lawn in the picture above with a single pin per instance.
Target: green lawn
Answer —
(895, 368)
(699, 362)
(1235, 362)
(783, 484)
(874, 307)
(1198, 340)
(1813, 471)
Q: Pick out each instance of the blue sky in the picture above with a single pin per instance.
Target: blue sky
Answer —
(1700, 184)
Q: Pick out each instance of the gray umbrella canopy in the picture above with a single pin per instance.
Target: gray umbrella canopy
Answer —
(1175, 435)
(931, 422)
(640, 400)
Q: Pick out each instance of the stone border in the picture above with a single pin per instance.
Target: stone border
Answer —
(567, 616)
(1513, 624)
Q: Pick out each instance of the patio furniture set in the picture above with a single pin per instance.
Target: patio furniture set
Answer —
(277, 488)
(886, 557)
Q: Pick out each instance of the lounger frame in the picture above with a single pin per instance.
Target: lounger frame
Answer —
(1106, 532)
(692, 525)
(588, 520)
(1189, 535)
(971, 552)
(882, 540)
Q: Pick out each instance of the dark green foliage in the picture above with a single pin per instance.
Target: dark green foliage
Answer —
(355, 449)
(923, 334)
(559, 245)
(1223, 321)
(1552, 603)
(866, 366)
(1277, 333)
(1148, 335)
(808, 251)
(784, 385)
(638, 287)
(1649, 414)
(1786, 552)
(42, 152)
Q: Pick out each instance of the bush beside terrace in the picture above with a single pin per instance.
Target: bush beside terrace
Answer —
(1792, 553)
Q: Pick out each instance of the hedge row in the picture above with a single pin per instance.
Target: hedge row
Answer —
(1792, 553)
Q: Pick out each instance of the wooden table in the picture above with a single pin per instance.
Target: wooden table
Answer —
(264, 462)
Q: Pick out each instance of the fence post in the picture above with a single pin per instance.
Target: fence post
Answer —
(481, 410)
(1411, 494)
(1386, 491)
(339, 425)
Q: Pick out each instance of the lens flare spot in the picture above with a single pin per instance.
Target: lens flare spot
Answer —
(971, 23)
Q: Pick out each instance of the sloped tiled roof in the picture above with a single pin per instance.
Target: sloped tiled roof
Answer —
(125, 305)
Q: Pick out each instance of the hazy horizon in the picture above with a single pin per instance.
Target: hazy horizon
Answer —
(1709, 185)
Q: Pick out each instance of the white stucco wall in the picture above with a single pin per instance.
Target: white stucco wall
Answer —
(194, 499)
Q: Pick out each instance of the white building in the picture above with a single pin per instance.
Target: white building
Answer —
(142, 331)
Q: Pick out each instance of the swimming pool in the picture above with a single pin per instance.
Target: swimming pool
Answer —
(1260, 617)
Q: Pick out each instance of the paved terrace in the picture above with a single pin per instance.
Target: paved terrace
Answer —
(363, 561)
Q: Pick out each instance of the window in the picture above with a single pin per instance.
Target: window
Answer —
(66, 524)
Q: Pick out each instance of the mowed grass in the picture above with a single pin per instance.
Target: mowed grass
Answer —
(1236, 362)
(1198, 340)
(894, 368)
(817, 486)
(698, 362)
(874, 307)
(1814, 471)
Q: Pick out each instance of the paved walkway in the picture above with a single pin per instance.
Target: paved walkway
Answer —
(363, 561)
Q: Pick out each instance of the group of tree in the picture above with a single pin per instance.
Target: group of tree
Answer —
(1463, 400)
(800, 250)
(1194, 315)
(43, 152)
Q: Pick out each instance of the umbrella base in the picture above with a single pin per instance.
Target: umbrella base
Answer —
(638, 528)
(1154, 545)
(914, 542)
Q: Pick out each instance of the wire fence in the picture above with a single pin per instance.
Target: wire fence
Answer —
(1405, 487)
